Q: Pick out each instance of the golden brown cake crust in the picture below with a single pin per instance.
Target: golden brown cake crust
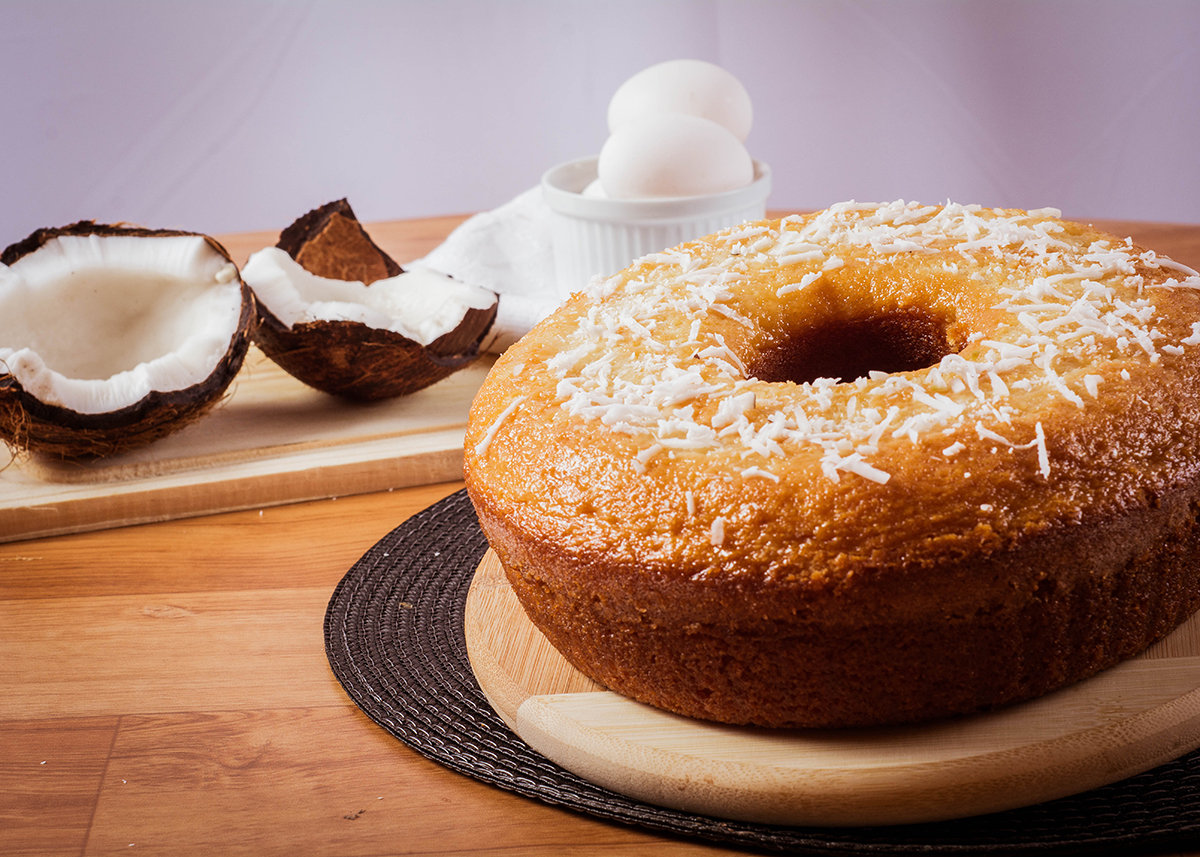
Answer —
(696, 520)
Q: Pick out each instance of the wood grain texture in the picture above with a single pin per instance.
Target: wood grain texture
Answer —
(301, 781)
(297, 546)
(1126, 720)
(50, 776)
(227, 651)
(208, 718)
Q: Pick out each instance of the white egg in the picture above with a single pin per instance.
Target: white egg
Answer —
(694, 87)
(672, 154)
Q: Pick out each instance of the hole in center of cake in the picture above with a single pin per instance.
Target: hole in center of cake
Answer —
(904, 340)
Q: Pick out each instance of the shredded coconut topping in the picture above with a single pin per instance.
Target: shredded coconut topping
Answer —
(679, 385)
(482, 447)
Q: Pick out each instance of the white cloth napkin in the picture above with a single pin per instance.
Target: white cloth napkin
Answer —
(509, 251)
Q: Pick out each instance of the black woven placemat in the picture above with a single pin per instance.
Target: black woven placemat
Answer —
(394, 637)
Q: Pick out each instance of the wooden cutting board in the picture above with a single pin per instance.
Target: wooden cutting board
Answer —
(272, 441)
(1124, 721)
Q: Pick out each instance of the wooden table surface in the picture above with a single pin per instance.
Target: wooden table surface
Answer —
(164, 687)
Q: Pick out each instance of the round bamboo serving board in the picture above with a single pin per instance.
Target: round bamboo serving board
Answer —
(1124, 721)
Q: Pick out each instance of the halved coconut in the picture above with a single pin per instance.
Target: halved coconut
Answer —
(336, 312)
(113, 336)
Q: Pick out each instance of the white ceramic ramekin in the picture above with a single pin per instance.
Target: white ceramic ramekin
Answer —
(601, 236)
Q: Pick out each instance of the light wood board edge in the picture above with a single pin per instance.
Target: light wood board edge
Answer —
(536, 703)
(311, 474)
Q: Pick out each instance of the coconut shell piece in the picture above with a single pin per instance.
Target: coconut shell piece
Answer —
(330, 242)
(27, 423)
(348, 358)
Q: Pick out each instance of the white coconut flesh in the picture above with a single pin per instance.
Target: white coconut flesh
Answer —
(95, 323)
(420, 304)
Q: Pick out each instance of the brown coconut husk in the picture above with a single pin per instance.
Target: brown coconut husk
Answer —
(348, 358)
(330, 242)
(29, 424)
(351, 359)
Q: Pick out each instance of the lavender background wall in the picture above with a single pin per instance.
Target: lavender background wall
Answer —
(225, 116)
